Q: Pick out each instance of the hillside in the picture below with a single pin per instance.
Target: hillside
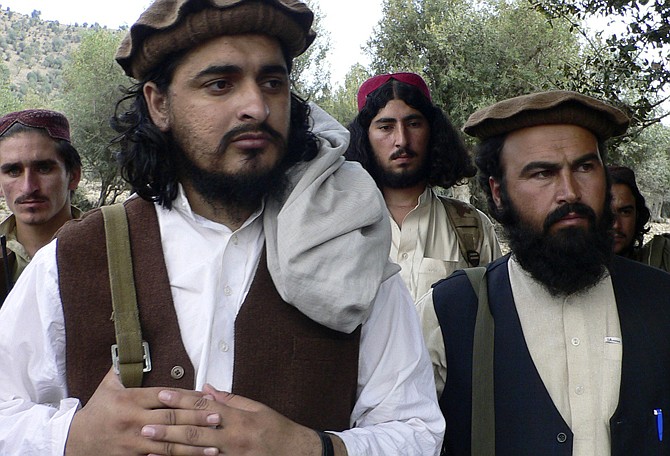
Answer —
(33, 52)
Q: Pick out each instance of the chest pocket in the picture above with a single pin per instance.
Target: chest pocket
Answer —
(432, 270)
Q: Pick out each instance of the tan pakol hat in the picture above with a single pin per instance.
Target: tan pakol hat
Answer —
(543, 108)
(169, 26)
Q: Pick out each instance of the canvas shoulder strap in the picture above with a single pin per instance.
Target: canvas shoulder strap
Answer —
(483, 399)
(658, 251)
(468, 228)
(130, 355)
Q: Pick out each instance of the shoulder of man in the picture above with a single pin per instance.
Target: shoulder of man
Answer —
(656, 252)
(467, 223)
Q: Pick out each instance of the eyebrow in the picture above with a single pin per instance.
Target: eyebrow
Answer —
(623, 208)
(404, 119)
(236, 69)
(554, 166)
(8, 166)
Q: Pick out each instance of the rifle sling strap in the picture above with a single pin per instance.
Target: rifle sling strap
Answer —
(130, 355)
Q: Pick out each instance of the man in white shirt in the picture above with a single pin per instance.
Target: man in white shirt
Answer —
(580, 351)
(260, 262)
(410, 148)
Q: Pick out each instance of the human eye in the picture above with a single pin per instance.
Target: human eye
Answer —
(218, 86)
(44, 168)
(11, 171)
(274, 84)
(542, 174)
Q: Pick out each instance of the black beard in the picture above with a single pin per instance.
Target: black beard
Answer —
(404, 178)
(570, 261)
(241, 192)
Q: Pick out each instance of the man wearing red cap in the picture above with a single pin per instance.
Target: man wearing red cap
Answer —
(39, 171)
(410, 148)
(272, 319)
(562, 347)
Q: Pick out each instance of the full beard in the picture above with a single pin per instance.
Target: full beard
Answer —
(573, 259)
(405, 178)
(242, 192)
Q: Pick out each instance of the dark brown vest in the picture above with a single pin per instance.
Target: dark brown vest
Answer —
(282, 358)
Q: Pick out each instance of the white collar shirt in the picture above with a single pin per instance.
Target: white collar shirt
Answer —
(210, 269)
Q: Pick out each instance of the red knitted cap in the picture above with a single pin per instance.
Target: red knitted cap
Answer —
(376, 82)
(55, 123)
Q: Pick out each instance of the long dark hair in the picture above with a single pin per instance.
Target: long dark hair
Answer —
(626, 176)
(147, 157)
(449, 161)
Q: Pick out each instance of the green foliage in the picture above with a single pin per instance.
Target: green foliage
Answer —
(8, 100)
(628, 61)
(342, 105)
(311, 71)
(92, 79)
(472, 52)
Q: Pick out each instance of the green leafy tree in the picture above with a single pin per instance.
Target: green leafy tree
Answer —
(472, 52)
(342, 105)
(629, 60)
(8, 100)
(311, 71)
(91, 90)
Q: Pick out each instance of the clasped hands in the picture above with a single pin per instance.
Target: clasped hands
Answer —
(168, 422)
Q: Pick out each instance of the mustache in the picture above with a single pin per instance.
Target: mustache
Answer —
(36, 196)
(402, 151)
(263, 127)
(574, 208)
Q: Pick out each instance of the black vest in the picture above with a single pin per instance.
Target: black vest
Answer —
(527, 422)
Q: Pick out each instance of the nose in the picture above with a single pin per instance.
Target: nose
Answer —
(568, 191)
(252, 104)
(29, 182)
(400, 138)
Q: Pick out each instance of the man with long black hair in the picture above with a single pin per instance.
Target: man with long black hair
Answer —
(410, 148)
(274, 322)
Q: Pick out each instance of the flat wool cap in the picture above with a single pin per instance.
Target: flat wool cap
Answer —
(544, 108)
(169, 26)
(54, 123)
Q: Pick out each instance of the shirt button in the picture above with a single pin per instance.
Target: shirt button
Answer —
(561, 437)
(579, 390)
(575, 341)
(223, 346)
(177, 372)
(404, 256)
(234, 239)
(227, 291)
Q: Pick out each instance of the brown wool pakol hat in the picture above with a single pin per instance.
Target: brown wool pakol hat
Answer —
(54, 123)
(169, 26)
(543, 108)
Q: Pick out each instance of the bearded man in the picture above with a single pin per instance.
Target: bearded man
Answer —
(273, 320)
(568, 352)
(410, 148)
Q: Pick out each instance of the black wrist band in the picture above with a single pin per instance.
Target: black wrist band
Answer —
(326, 444)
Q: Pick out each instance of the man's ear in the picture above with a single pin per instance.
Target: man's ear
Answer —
(495, 191)
(158, 106)
(75, 177)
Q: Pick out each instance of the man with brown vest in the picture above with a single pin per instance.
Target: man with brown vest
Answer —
(273, 320)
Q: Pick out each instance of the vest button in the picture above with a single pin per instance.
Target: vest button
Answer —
(561, 437)
(177, 372)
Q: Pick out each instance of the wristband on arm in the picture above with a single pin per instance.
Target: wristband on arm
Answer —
(326, 444)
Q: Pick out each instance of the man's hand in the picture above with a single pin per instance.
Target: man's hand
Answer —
(112, 421)
(247, 428)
